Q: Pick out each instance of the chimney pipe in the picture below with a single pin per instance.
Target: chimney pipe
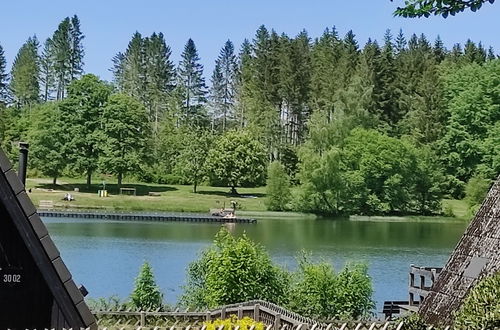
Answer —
(23, 161)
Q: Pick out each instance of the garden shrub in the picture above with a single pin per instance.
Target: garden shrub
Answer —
(231, 323)
(481, 308)
(146, 294)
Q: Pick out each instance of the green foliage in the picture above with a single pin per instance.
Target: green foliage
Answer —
(278, 187)
(233, 270)
(413, 322)
(146, 72)
(47, 138)
(24, 83)
(4, 87)
(146, 294)
(318, 292)
(224, 84)
(419, 8)
(190, 164)
(231, 323)
(237, 159)
(472, 98)
(124, 132)
(481, 308)
(371, 174)
(65, 54)
(476, 191)
(191, 85)
(81, 115)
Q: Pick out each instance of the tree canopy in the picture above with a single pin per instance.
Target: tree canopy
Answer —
(419, 8)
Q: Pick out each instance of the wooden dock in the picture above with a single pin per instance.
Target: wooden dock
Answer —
(153, 217)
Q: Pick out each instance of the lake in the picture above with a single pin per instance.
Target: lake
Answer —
(106, 256)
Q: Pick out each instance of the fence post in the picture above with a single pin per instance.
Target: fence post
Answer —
(143, 319)
(256, 312)
(422, 286)
(208, 317)
(277, 321)
(411, 284)
(223, 313)
(240, 312)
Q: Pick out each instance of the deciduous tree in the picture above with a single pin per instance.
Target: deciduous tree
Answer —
(236, 159)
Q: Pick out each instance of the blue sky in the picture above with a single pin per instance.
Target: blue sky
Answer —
(109, 24)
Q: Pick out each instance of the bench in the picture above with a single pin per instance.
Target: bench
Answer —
(154, 193)
(127, 191)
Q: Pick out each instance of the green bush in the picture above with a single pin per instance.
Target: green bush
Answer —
(231, 271)
(476, 191)
(278, 187)
(146, 294)
(413, 322)
(481, 308)
(318, 292)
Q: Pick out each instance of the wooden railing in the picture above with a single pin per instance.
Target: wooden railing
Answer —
(427, 276)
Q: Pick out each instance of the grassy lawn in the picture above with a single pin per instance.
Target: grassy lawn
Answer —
(173, 198)
(460, 207)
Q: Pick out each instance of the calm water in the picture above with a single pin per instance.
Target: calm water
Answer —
(106, 256)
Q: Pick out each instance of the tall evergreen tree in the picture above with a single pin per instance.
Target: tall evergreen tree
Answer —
(67, 54)
(47, 76)
(134, 76)
(4, 87)
(77, 53)
(224, 84)
(244, 78)
(439, 50)
(61, 57)
(192, 84)
(25, 74)
(491, 54)
(400, 44)
(159, 76)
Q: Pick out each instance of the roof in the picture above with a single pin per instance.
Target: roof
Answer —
(69, 309)
(476, 256)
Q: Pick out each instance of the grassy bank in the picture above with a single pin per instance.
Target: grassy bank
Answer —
(171, 198)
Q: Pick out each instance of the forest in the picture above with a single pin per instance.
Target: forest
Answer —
(331, 126)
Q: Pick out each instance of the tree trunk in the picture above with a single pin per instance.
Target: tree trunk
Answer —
(233, 190)
(195, 185)
(89, 179)
(120, 178)
(54, 180)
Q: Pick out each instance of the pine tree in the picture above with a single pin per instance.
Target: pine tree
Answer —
(491, 54)
(439, 50)
(133, 70)
(400, 44)
(456, 53)
(77, 53)
(61, 57)
(25, 74)
(159, 76)
(47, 77)
(67, 54)
(146, 294)
(192, 84)
(4, 89)
(224, 84)
(244, 78)
(295, 81)
(117, 70)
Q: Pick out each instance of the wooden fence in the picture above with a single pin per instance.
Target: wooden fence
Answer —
(273, 316)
